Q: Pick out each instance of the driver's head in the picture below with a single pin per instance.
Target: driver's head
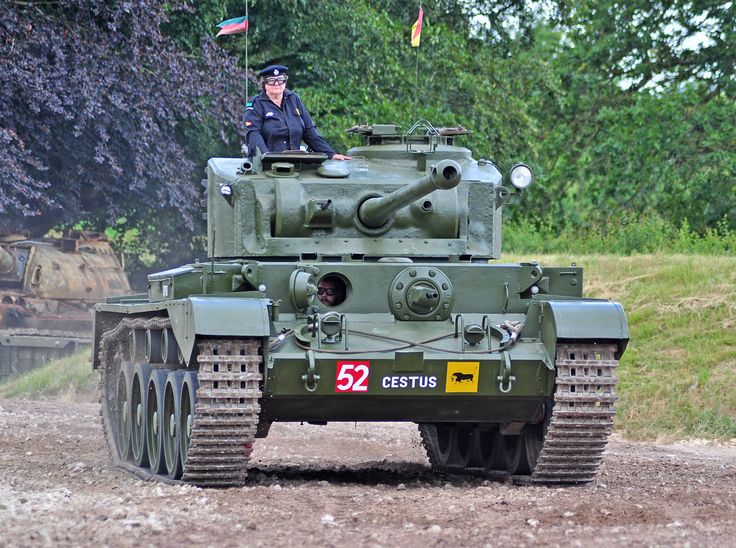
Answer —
(330, 291)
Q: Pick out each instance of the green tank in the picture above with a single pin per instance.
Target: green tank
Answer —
(48, 287)
(364, 290)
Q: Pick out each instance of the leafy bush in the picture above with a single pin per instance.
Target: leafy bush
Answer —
(627, 235)
(103, 118)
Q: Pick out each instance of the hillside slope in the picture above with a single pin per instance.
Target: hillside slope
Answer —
(678, 375)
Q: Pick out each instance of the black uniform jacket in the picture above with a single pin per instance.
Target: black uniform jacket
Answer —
(274, 129)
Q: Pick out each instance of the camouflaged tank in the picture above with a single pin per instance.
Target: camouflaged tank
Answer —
(363, 290)
(47, 290)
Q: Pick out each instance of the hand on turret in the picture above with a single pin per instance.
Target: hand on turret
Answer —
(341, 157)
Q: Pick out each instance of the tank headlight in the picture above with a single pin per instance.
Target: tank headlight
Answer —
(521, 176)
(226, 190)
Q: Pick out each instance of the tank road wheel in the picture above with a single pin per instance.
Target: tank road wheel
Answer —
(447, 445)
(171, 420)
(186, 415)
(522, 450)
(139, 399)
(515, 459)
(122, 407)
(488, 450)
(533, 442)
(226, 412)
(155, 421)
(462, 447)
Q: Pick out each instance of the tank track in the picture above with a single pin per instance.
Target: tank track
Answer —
(582, 416)
(225, 415)
(577, 431)
(112, 344)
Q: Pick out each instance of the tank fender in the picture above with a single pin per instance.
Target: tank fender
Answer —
(583, 320)
(217, 316)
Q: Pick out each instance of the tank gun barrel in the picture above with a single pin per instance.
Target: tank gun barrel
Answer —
(375, 212)
(6, 261)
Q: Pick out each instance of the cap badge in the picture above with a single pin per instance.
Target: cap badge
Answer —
(275, 72)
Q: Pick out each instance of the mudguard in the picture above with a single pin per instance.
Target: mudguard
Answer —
(218, 316)
(584, 320)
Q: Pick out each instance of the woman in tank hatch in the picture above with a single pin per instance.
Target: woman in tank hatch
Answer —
(277, 120)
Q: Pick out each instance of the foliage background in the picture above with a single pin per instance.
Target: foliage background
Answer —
(625, 110)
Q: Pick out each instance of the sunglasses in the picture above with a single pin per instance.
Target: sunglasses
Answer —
(326, 291)
(276, 81)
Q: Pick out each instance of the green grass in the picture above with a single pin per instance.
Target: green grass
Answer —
(68, 379)
(678, 375)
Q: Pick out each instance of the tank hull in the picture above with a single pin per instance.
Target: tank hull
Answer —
(376, 367)
(23, 352)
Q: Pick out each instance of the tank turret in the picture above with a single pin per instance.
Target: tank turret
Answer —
(375, 212)
(422, 195)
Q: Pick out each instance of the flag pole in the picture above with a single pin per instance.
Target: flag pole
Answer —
(247, 77)
(416, 86)
(416, 36)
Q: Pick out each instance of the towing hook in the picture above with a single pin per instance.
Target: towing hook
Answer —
(311, 378)
(505, 378)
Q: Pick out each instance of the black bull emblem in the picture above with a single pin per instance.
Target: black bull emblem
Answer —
(463, 377)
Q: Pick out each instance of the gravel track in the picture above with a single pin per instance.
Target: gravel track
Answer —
(347, 484)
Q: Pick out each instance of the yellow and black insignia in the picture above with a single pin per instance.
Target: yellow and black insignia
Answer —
(462, 376)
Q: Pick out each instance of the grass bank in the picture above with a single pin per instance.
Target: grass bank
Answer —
(68, 379)
(678, 375)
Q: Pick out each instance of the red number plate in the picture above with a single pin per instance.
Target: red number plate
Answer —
(352, 376)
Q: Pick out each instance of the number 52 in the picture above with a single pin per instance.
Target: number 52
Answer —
(352, 376)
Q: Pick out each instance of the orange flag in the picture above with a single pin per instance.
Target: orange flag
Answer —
(416, 30)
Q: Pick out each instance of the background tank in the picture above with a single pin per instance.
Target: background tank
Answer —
(47, 289)
(364, 290)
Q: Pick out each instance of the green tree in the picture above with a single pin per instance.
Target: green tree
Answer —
(643, 117)
(643, 44)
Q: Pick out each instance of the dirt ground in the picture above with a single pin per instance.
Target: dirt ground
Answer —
(347, 484)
